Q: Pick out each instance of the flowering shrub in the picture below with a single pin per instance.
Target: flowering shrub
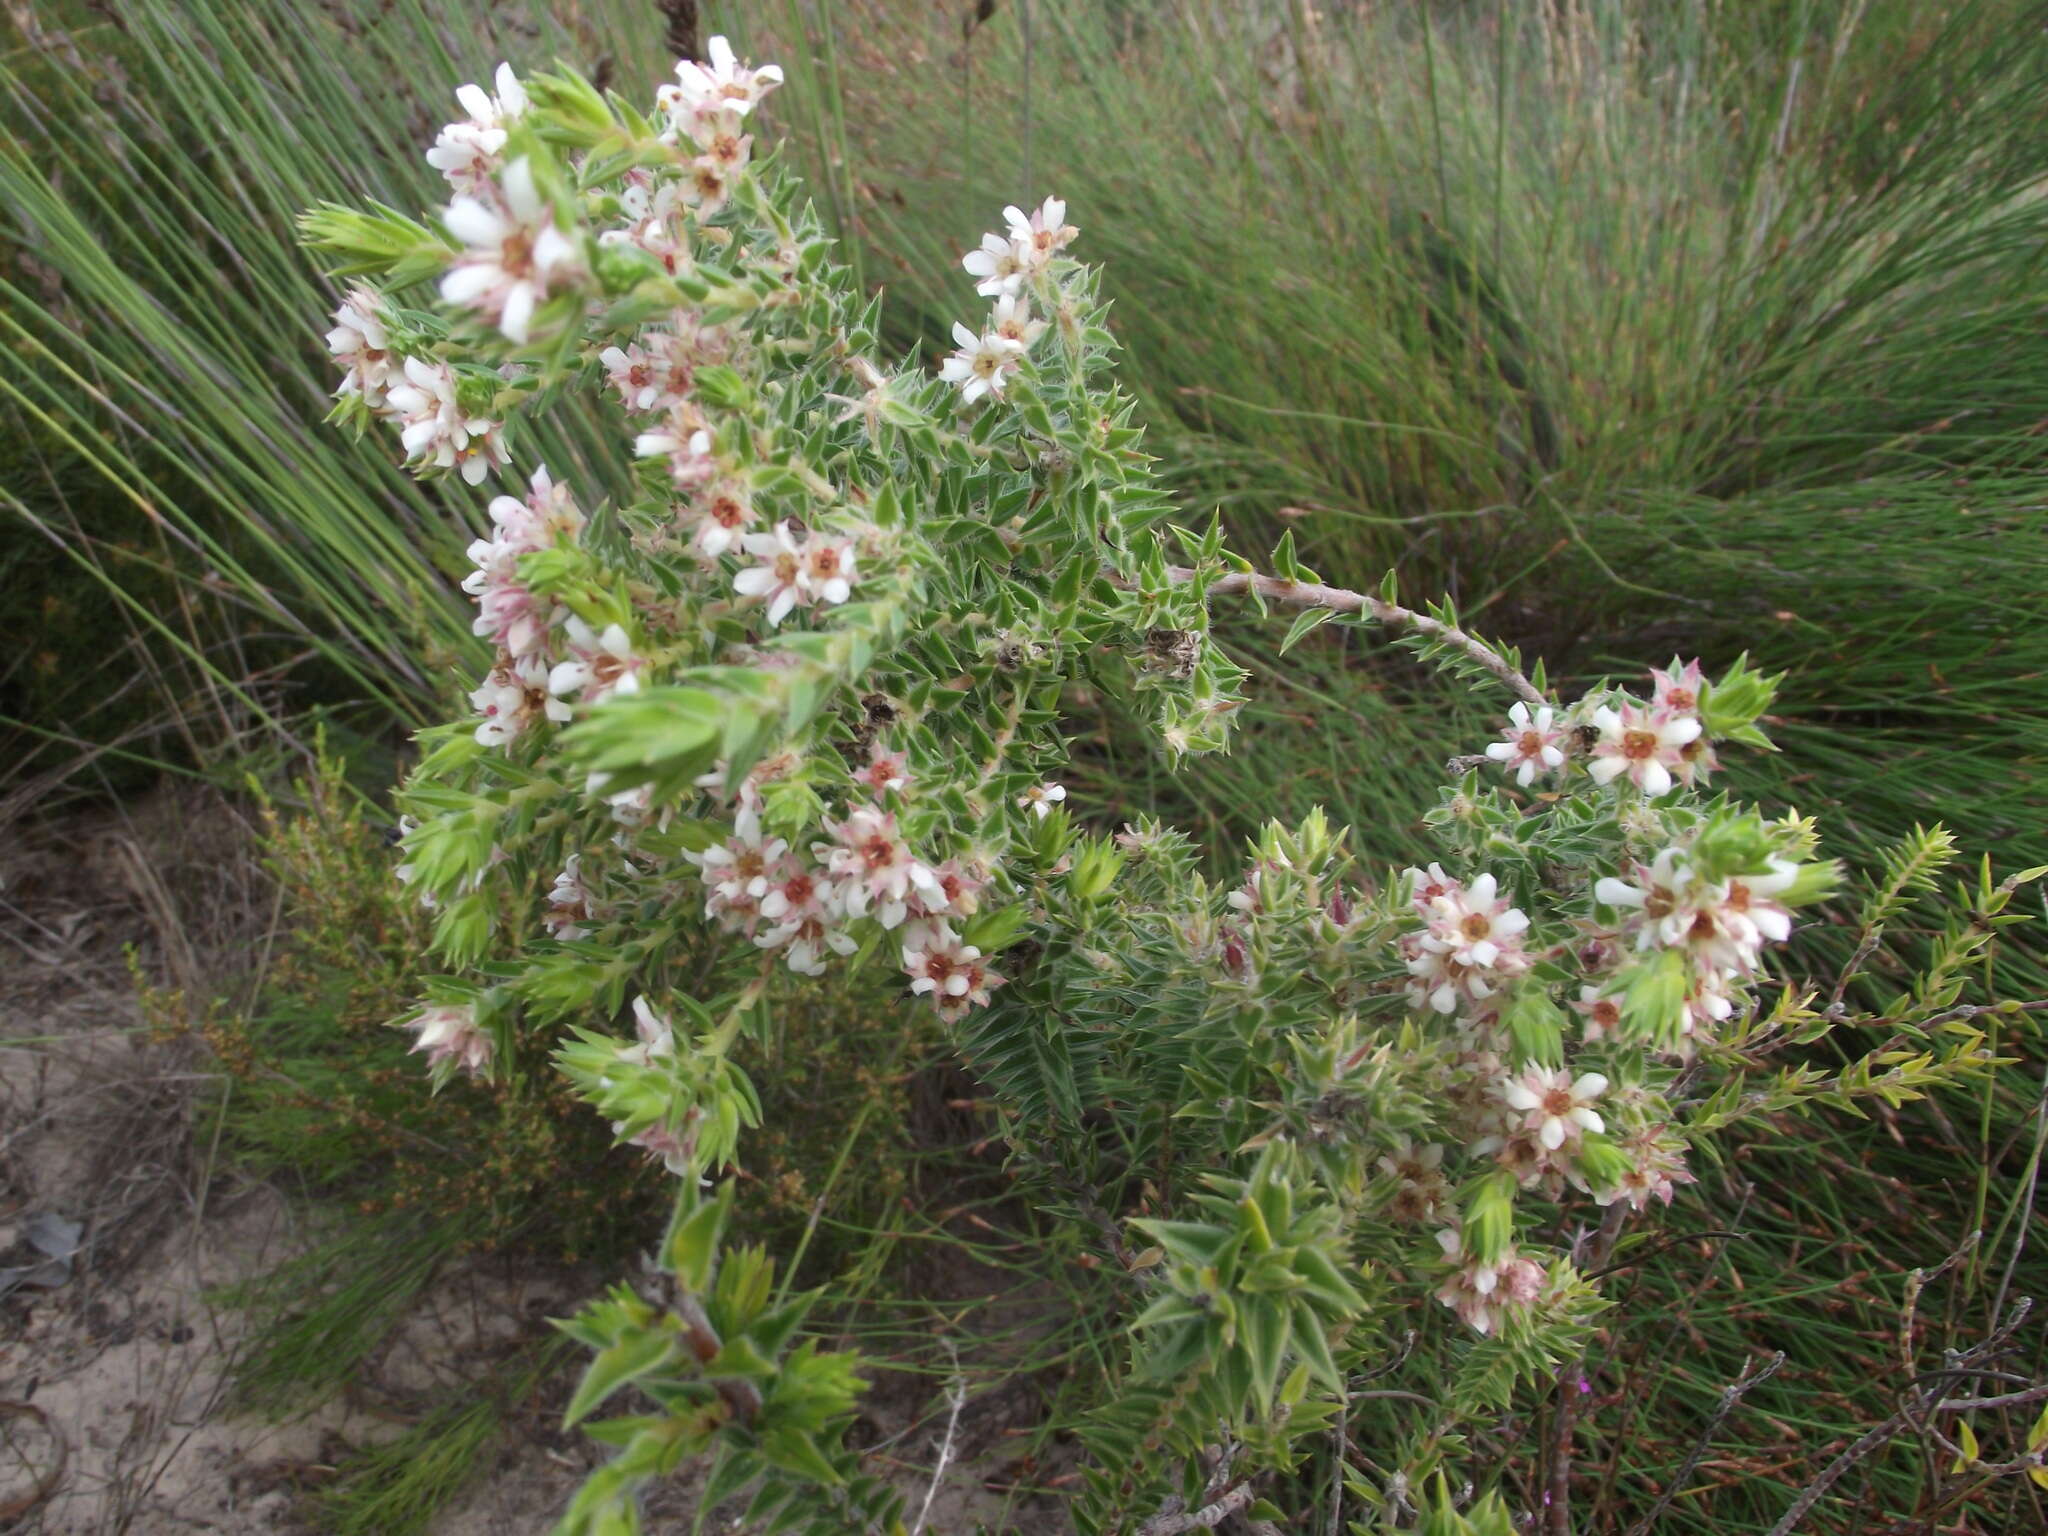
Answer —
(802, 683)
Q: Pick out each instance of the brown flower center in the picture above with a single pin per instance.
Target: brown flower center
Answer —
(1638, 746)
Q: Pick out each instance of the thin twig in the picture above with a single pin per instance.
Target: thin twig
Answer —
(956, 1399)
(1730, 1396)
(1924, 1401)
(1207, 1518)
(1308, 594)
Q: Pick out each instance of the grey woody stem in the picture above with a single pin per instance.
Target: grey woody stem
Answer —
(1308, 594)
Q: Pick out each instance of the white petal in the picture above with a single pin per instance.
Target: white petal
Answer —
(517, 321)
(473, 224)
(1656, 779)
(1616, 893)
(1590, 1085)
(1552, 1134)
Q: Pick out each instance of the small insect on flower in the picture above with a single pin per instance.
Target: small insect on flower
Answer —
(1531, 745)
(982, 364)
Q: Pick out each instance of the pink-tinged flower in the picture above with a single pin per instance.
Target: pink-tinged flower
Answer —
(1532, 744)
(452, 1034)
(805, 941)
(655, 1036)
(1601, 1013)
(827, 576)
(722, 85)
(735, 872)
(637, 375)
(1676, 689)
(676, 1151)
(982, 365)
(998, 267)
(1522, 1154)
(1697, 762)
(511, 614)
(360, 343)
(599, 665)
(683, 440)
(1643, 745)
(1724, 924)
(953, 975)
(515, 254)
(706, 186)
(1425, 885)
(723, 513)
(520, 527)
(1011, 320)
(778, 579)
(466, 153)
(1472, 944)
(726, 144)
(956, 892)
(1039, 799)
(874, 865)
(1420, 1189)
(1656, 1168)
(1483, 1294)
(794, 892)
(568, 903)
(885, 771)
(435, 431)
(1042, 233)
(511, 699)
(1556, 1107)
(1478, 924)
(1249, 898)
(939, 963)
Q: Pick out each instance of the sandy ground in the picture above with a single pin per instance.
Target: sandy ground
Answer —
(115, 1382)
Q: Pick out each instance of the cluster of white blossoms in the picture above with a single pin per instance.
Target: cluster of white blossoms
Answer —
(784, 899)
(1653, 746)
(707, 109)
(421, 397)
(1470, 944)
(1468, 950)
(1007, 268)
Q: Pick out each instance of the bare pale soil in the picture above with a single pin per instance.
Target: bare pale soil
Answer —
(116, 1411)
